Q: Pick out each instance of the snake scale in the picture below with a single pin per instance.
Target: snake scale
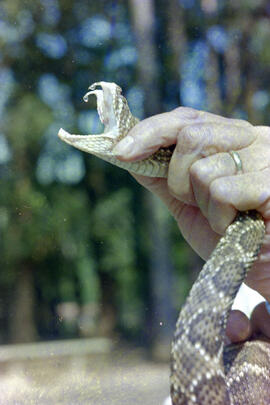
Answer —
(203, 370)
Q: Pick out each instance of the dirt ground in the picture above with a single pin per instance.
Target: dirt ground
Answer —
(118, 377)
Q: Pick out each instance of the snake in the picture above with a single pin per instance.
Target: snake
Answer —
(204, 370)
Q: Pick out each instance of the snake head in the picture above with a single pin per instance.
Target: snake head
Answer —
(113, 112)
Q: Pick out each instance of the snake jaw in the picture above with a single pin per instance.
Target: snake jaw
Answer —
(105, 103)
(100, 145)
(113, 112)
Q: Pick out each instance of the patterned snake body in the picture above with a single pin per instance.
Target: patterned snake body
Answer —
(203, 371)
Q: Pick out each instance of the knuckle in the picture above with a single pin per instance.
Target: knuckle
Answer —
(186, 112)
(189, 139)
(180, 193)
(217, 190)
(199, 172)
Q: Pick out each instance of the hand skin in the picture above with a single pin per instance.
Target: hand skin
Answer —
(203, 191)
(240, 328)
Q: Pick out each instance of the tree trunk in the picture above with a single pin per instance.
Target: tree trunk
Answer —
(177, 41)
(143, 19)
(22, 328)
(160, 325)
(161, 279)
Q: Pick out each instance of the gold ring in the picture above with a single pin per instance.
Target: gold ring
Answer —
(238, 163)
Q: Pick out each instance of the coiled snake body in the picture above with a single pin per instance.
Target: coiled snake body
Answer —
(203, 370)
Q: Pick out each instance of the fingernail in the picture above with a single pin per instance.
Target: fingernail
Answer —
(124, 147)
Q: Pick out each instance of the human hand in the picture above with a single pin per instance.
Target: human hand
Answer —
(240, 327)
(203, 191)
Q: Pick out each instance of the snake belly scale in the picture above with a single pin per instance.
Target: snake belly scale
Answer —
(203, 370)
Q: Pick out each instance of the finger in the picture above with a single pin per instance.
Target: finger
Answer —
(204, 171)
(199, 141)
(161, 130)
(242, 192)
(238, 327)
(152, 133)
(260, 320)
(193, 225)
(196, 229)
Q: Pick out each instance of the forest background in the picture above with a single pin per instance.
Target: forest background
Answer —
(84, 250)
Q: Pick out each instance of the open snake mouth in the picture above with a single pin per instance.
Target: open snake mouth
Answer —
(105, 102)
(110, 104)
(114, 113)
